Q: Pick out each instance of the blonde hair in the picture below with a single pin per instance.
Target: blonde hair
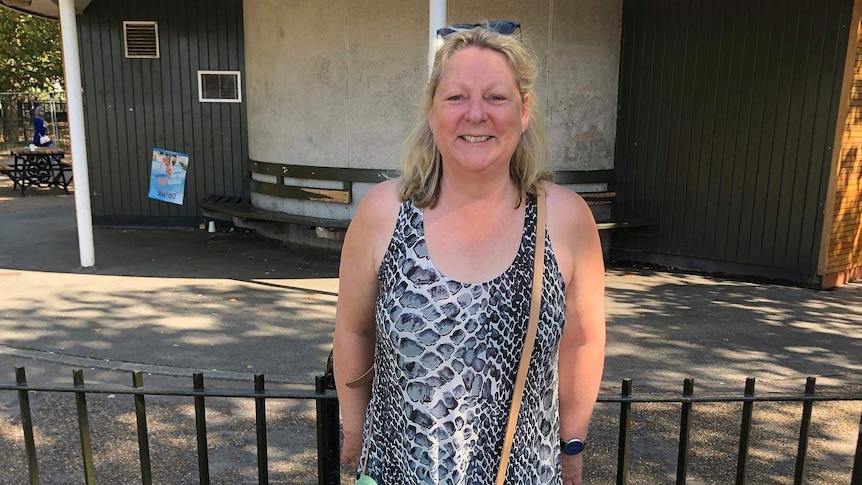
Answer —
(422, 164)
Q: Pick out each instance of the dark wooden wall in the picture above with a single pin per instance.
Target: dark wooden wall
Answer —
(133, 105)
(728, 110)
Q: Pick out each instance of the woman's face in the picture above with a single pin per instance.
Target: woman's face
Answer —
(477, 115)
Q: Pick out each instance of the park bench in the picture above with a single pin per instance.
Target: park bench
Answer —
(599, 189)
(300, 182)
(335, 185)
(42, 167)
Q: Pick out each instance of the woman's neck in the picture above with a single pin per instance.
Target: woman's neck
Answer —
(457, 190)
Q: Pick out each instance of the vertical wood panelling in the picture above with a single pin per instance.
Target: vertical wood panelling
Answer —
(711, 179)
(740, 102)
(668, 168)
(727, 109)
(132, 72)
(133, 105)
(729, 145)
(811, 209)
(87, 40)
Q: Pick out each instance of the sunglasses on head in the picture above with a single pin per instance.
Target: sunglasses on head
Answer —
(505, 27)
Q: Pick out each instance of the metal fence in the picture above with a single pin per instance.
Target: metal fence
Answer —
(328, 470)
(16, 119)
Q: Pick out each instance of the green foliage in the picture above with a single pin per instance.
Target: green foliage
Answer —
(30, 53)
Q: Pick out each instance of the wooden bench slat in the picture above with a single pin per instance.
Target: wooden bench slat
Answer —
(597, 195)
(241, 207)
(340, 196)
(605, 225)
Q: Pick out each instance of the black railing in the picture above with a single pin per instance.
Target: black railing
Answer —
(328, 470)
(748, 399)
(328, 446)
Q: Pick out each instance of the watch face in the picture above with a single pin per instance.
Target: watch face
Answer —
(573, 447)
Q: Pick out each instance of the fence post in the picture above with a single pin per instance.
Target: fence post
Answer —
(856, 478)
(27, 424)
(260, 426)
(84, 427)
(625, 434)
(201, 428)
(684, 433)
(804, 428)
(745, 431)
(328, 439)
(143, 433)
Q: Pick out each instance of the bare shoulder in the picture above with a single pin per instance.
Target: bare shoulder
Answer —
(574, 237)
(567, 211)
(380, 202)
(373, 224)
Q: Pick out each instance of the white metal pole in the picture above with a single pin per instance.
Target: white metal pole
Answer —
(436, 19)
(75, 109)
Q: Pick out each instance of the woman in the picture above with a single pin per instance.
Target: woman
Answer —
(40, 128)
(435, 284)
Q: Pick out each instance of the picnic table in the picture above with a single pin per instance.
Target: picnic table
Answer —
(40, 167)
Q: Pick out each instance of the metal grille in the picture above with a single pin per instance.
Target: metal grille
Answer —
(141, 39)
(219, 86)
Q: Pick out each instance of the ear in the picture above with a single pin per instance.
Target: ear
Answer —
(525, 112)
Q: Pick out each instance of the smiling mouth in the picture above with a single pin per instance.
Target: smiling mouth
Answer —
(475, 139)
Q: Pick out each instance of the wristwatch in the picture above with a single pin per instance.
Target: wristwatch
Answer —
(572, 447)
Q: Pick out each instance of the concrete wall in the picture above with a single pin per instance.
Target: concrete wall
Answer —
(577, 43)
(333, 82)
(583, 71)
(337, 82)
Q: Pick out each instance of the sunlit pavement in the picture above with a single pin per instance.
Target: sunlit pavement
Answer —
(233, 305)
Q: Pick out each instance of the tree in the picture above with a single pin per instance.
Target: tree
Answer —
(30, 61)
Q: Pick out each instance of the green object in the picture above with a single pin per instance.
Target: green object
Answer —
(365, 480)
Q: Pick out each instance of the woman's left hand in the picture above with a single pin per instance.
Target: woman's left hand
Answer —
(572, 467)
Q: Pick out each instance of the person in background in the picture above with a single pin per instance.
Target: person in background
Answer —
(435, 283)
(40, 129)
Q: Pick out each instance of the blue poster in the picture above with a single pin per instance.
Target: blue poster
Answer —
(168, 176)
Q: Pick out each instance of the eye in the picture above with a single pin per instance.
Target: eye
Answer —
(496, 97)
(456, 97)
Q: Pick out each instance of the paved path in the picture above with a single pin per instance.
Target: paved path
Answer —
(175, 300)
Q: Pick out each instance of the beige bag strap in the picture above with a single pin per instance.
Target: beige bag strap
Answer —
(529, 339)
(362, 380)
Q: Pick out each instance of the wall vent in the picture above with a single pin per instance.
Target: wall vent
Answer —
(141, 39)
(219, 87)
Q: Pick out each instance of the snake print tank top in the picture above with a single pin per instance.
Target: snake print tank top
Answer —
(446, 359)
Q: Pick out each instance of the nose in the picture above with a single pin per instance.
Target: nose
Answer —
(476, 111)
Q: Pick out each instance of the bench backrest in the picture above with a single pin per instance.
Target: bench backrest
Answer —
(322, 184)
(335, 184)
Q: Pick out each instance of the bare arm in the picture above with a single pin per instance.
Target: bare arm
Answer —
(353, 342)
(582, 348)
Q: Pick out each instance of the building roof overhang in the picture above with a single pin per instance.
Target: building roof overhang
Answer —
(48, 9)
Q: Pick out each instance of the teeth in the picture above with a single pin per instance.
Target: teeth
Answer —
(475, 139)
